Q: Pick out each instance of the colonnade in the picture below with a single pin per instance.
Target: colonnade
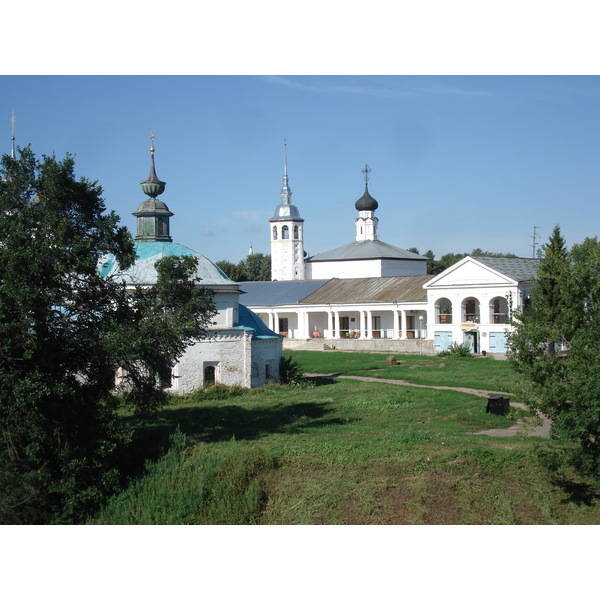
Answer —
(363, 330)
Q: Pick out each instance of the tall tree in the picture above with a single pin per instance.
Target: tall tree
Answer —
(63, 330)
(565, 313)
(255, 267)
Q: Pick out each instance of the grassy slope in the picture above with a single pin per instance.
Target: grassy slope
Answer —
(350, 452)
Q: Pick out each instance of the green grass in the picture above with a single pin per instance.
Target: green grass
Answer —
(475, 372)
(347, 452)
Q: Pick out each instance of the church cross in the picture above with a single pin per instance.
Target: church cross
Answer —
(366, 171)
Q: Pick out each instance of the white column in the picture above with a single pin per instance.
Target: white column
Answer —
(361, 318)
(307, 332)
(403, 326)
(276, 322)
(271, 323)
(396, 324)
(369, 324)
(330, 323)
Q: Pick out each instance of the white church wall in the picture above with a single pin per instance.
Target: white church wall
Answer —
(227, 305)
(224, 350)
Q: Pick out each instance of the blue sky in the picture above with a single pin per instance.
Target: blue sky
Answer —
(458, 162)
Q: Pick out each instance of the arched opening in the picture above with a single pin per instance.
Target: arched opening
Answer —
(443, 311)
(296, 237)
(274, 232)
(285, 233)
(498, 310)
(470, 310)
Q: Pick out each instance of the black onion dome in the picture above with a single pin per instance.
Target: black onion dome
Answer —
(366, 202)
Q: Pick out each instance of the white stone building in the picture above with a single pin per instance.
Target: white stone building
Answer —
(240, 349)
(471, 301)
(369, 295)
(367, 256)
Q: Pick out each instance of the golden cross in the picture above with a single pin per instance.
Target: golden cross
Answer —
(12, 120)
(152, 136)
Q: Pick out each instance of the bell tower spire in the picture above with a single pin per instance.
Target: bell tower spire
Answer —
(287, 245)
(153, 215)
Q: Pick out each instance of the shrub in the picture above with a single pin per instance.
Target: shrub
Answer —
(290, 371)
(456, 349)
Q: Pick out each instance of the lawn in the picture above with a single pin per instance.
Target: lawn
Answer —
(340, 451)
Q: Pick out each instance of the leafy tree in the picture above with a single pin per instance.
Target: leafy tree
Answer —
(255, 267)
(564, 386)
(63, 330)
(434, 267)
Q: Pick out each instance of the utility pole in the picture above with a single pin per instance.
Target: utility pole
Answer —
(534, 237)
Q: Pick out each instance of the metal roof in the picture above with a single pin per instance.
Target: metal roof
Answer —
(371, 289)
(143, 271)
(364, 250)
(277, 293)
(519, 269)
(248, 320)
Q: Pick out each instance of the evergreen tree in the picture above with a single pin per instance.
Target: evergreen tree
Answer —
(63, 331)
(565, 313)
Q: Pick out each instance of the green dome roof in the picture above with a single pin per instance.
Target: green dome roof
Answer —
(143, 271)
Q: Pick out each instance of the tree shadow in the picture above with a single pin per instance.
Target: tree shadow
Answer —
(211, 424)
(577, 492)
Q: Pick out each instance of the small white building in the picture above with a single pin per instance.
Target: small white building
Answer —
(472, 301)
(239, 349)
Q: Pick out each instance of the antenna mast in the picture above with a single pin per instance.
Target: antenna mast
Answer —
(534, 237)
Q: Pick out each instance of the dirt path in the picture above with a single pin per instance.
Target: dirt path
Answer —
(520, 427)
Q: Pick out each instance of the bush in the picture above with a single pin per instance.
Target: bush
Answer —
(456, 349)
(290, 371)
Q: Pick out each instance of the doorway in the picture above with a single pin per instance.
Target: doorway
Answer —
(472, 341)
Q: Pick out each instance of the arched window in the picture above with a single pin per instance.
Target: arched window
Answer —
(274, 232)
(296, 232)
(443, 311)
(285, 233)
(498, 310)
(470, 310)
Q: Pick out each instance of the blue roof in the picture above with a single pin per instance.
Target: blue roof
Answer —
(249, 320)
(143, 272)
(277, 293)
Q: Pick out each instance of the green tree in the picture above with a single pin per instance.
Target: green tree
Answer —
(255, 267)
(63, 330)
(564, 386)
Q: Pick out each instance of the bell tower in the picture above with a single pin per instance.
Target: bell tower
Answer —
(287, 235)
(366, 205)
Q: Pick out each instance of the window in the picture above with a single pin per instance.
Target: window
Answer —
(296, 237)
(209, 375)
(268, 371)
(285, 233)
(274, 232)
(443, 311)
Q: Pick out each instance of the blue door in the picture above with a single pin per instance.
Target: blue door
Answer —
(442, 340)
(497, 341)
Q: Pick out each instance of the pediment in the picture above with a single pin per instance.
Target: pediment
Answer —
(469, 272)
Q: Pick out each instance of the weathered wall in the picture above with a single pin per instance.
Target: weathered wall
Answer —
(375, 345)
